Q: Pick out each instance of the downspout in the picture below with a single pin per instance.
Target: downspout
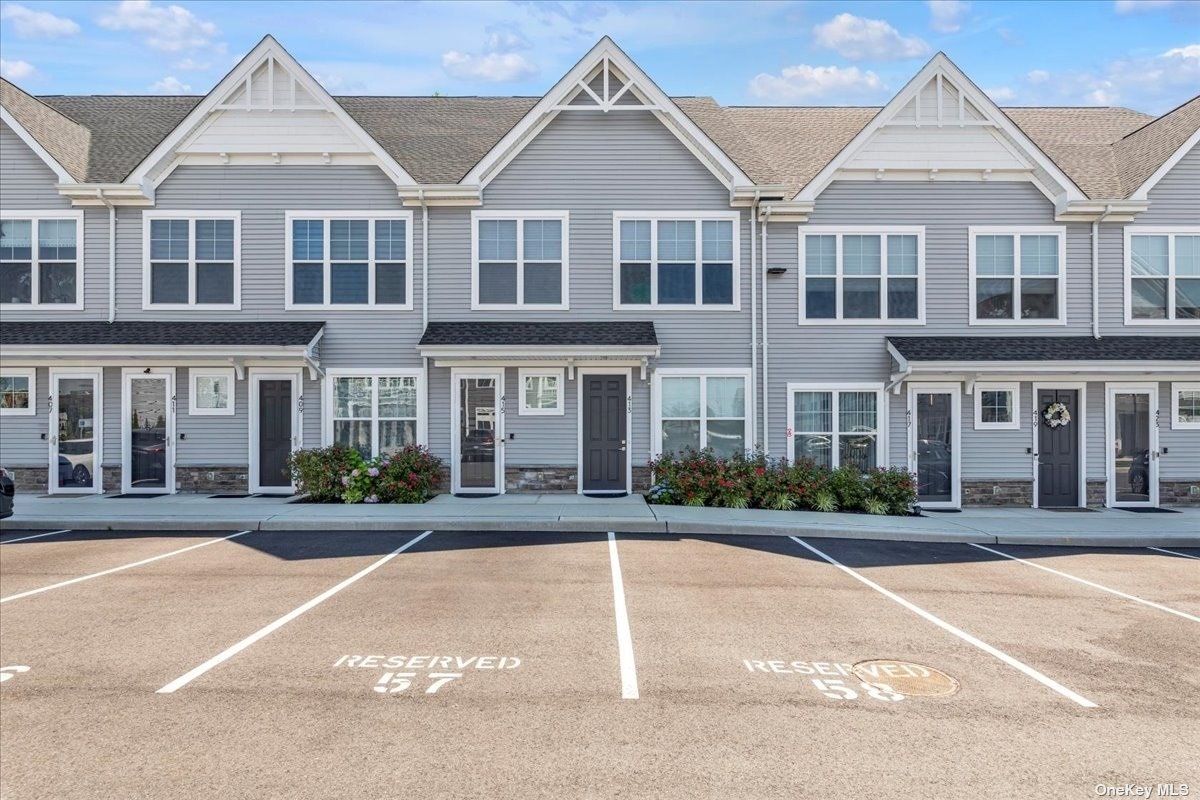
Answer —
(754, 306)
(112, 255)
(424, 260)
(1096, 270)
(765, 360)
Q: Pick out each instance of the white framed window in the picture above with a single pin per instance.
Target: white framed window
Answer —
(18, 392)
(374, 411)
(997, 407)
(835, 425)
(1162, 275)
(676, 260)
(1016, 275)
(211, 392)
(349, 260)
(862, 275)
(695, 410)
(191, 259)
(41, 259)
(541, 392)
(1185, 406)
(519, 259)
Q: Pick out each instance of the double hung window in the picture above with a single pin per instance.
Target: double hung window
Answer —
(41, 260)
(862, 275)
(349, 260)
(676, 261)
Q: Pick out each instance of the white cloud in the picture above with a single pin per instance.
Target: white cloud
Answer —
(28, 23)
(1153, 83)
(192, 65)
(858, 38)
(491, 67)
(1192, 51)
(16, 70)
(945, 16)
(171, 29)
(1001, 94)
(1136, 6)
(1037, 76)
(170, 85)
(803, 83)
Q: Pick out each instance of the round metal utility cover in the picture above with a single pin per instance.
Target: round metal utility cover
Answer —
(907, 678)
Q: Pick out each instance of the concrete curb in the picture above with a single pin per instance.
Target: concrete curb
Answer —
(603, 525)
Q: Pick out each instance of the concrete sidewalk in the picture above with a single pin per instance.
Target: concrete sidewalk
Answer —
(575, 513)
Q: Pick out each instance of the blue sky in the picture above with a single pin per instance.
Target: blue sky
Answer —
(1144, 54)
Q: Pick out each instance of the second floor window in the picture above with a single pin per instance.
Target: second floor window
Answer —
(40, 261)
(349, 260)
(191, 260)
(1016, 276)
(1162, 274)
(676, 262)
(862, 276)
(520, 260)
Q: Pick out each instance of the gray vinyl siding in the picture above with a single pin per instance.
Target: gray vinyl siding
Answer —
(353, 339)
(25, 180)
(1095, 434)
(1182, 458)
(540, 440)
(211, 441)
(1175, 200)
(22, 444)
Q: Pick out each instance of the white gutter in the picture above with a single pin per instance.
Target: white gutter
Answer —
(1096, 270)
(754, 308)
(424, 260)
(112, 254)
(766, 440)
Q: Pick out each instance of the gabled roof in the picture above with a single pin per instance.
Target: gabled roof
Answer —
(1142, 154)
(64, 142)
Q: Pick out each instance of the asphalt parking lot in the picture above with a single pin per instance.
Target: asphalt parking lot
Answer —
(434, 664)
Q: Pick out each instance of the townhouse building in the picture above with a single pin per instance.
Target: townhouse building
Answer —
(549, 291)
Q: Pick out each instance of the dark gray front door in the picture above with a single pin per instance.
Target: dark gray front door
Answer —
(1058, 451)
(274, 432)
(604, 435)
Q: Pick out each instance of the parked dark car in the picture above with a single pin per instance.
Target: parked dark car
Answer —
(1139, 472)
(7, 490)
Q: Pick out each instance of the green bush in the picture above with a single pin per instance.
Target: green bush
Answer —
(341, 475)
(702, 478)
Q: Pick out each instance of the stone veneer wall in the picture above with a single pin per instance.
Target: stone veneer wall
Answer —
(1179, 493)
(218, 479)
(997, 493)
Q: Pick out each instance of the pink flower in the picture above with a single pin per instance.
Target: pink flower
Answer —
(354, 473)
(373, 472)
(345, 480)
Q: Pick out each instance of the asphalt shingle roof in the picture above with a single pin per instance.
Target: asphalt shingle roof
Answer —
(1048, 348)
(534, 334)
(232, 334)
(1144, 150)
(64, 139)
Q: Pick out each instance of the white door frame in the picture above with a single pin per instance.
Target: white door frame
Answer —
(97, 375)
(456, 375)
(955, 392)
(1078, 421)
(1110, 435)
(166, 374)
(628, 373)
(254, 376)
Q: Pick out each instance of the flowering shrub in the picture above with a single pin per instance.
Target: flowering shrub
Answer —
(701, 478)
(340, 474)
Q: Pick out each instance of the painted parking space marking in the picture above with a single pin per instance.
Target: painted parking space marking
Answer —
(848, 687)
(1093, 584)
(1174, 553)
(629, 687)
(143, 562)
(946, 626)
(230, 652)
(7, 673)
(36, 536)
(424, 674)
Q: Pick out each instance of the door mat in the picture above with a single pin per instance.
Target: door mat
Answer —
(227, 496)
(1148, 510)
(476, 496)
(941, 510)
(603, 496)
(1066, 509)
(137, 496)
(269, 495)
(64, 496)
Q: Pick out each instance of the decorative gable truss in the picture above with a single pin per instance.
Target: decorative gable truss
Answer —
(268, 110)
(942, 127)
(607, 80)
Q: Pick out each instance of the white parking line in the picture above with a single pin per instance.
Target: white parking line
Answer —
(120, 568)
(1085, 582)
(36, 536)
(230, 652)
(946, 626)
(1174, 552)
(629, 687)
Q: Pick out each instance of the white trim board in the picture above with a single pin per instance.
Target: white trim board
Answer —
(1151, 390)
(166, 374)
(496, 374)
(96, 375)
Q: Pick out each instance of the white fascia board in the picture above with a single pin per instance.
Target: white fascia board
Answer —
(162, 155)
(1143, 191)
(36, 146)
(940, 63)
(104, 194)
(537, 117)
(441, 194)
(1108, 210)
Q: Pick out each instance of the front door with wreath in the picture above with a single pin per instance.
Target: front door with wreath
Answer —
(1058, 448)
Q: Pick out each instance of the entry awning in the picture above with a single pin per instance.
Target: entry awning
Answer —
(963, 356)
(174, 341)
(540, 340)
